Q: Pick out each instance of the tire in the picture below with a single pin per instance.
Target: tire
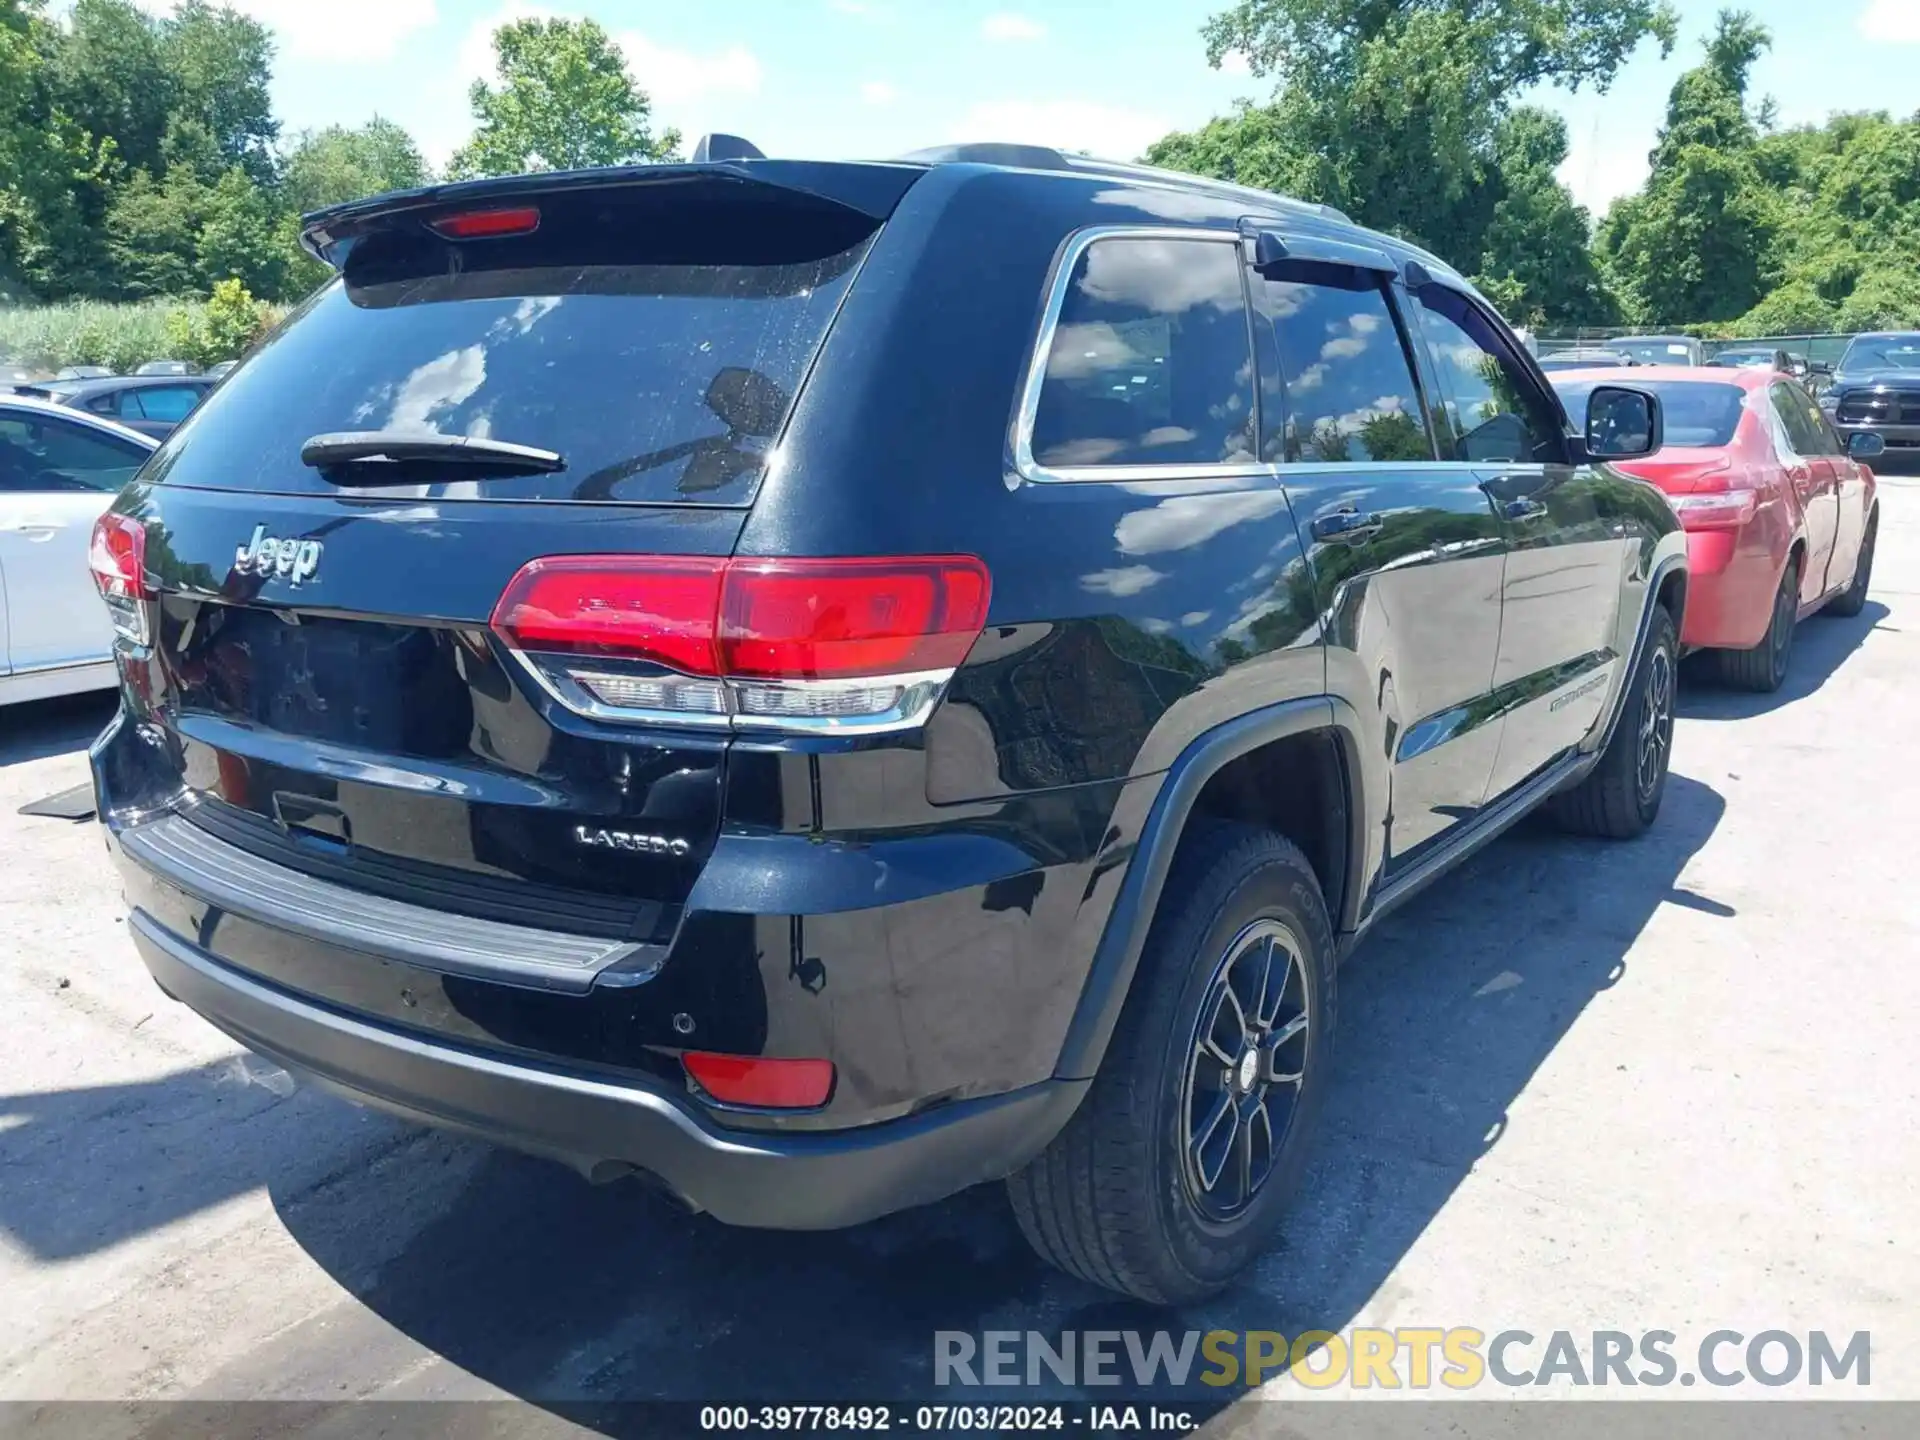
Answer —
(1620, 796)
(1119, 1198)
(1852, 600)
(1763, 669)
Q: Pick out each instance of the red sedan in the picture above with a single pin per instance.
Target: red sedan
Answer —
(1780, 517)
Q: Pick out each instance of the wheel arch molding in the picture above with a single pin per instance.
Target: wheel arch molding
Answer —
(1116, 958)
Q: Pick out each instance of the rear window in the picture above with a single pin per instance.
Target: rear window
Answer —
(655, 338)
(1698, 413)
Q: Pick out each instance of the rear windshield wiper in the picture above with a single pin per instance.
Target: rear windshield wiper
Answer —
(398, 447)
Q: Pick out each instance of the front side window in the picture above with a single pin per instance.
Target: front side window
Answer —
(40, 456)
(1347, 390)
(1805, 429)
(1150, 362)
(1494, 413)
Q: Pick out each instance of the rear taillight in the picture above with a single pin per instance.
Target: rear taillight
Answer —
(764, 1084)
(118, 558)
(1715, 510)
(838, 645)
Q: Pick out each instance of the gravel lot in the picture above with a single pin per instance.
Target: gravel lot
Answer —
(1669, 1084)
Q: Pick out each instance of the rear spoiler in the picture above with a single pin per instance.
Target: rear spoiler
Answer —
(871, 189)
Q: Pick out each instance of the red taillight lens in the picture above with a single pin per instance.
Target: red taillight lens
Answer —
(1715, 510)
(765, 1084)
(488, 224)
(840, 643)
(660, 609)
(117, 556)
(834, 619)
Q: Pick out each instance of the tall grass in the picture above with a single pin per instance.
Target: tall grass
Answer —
(92, 332)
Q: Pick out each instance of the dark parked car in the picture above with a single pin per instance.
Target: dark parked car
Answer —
(82, 372)
(152, 405)
(1584, 360)
(827, 683)
(1876, 388)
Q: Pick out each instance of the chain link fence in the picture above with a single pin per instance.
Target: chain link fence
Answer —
(1819, 349)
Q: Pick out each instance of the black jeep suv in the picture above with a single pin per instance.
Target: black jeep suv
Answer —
(820, 685)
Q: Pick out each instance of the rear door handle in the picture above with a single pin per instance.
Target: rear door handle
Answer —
(1523, 509)
(41, 528)
(1348, 524)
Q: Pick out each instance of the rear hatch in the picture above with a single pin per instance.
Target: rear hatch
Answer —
(331, 696)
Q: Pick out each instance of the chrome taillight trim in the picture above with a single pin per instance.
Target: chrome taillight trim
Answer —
(920, 691)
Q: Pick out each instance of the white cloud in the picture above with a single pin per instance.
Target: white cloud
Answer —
(1893, 22)
(1008, 26)
(1187, 520)
(879, 92)
(1124, 582)
(674, 77)
(1110, 131)
(443, 382)
(330, 29)
(1607, 162)
(1234, 62)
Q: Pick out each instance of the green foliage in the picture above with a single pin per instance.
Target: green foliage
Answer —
(221, 329)
(1402, 114)
(564, 101)
(140, 157)
(1699, 241)
(335, 165)
(1796, 308)
(123, 337)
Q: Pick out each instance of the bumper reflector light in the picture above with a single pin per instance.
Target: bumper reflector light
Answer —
(762, 1083)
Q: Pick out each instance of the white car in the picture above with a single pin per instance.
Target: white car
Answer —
(59, 471)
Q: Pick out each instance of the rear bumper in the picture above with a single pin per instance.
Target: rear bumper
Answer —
(808, 1181)
(1730, 588)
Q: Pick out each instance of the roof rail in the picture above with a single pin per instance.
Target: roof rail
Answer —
(1022, 157)
(1044, 157)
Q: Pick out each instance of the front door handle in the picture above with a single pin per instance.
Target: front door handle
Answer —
(1348, 523)
(1525, 508)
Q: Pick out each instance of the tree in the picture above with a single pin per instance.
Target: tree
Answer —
(221, 65)
(1698, 243)
(53, 173)
(334, 165)
(564, 101)
(113, 78)
(1398, 112)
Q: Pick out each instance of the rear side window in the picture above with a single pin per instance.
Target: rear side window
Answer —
(1347, 392)
(654, 336)
(1150, 362)
(1806, 429)
(171, 403)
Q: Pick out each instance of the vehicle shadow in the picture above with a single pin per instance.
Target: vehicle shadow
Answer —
(41, 728)
(572, 1296)
(1821, 646)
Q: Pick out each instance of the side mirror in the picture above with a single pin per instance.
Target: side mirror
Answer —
(1866, 445)
(1820, 367)
(1623, 424)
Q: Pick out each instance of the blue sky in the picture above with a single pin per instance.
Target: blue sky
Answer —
(833, 78)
